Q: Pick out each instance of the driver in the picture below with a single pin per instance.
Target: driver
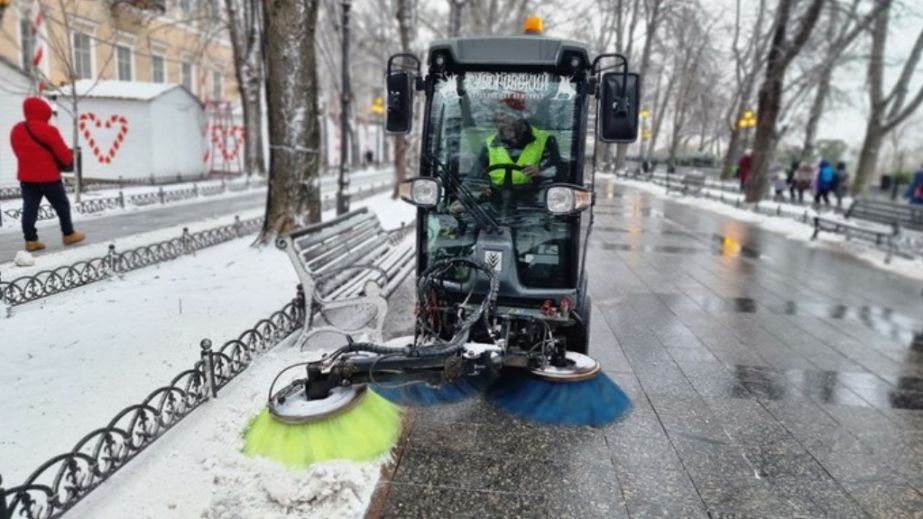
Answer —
(517, 142)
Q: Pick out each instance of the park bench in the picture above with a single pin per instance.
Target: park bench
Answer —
(689, 183)
(347, 262)
(878, 221)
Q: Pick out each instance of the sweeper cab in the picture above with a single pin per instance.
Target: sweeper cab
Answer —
(505, 208)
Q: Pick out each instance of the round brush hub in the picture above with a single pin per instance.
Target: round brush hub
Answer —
(581, 367)
(298, 410)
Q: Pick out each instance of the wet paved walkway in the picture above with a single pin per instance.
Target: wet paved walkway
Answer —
(769, 379)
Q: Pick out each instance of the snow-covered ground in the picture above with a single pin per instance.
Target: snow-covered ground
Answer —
(197, 469)
(74, 360)
(786, 226)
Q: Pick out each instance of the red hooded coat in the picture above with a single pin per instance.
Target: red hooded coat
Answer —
(35, 162)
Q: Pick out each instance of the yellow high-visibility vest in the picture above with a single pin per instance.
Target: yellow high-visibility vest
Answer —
(531, 156)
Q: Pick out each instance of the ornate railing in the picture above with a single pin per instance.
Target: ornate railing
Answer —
(47, 282)
(64, 480)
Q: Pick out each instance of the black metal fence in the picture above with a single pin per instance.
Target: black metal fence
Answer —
(64, 480)
(162, 196)
(11, 192)
(47, 282)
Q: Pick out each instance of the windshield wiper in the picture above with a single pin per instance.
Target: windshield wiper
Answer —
(483, 219)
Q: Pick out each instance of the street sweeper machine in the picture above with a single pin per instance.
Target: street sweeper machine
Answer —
(505, 207)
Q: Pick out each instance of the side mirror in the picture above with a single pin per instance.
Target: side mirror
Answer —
(567, 199)
(422, 192)
(619, 107)
(400, 102)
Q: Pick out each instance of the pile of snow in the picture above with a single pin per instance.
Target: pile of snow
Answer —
(788, 227)
(197, 469)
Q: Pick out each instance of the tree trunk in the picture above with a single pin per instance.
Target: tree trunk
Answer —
(244, 18)
(781, 54)
(401, 146)
(293, 198)
(868, 156)
(659, 115)
(817, 110)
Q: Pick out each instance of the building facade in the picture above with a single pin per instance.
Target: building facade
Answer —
(160, 41)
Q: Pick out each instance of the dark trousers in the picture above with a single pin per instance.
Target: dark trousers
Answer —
(32, 193)
(822, 195)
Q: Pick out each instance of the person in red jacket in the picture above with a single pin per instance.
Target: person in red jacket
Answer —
(743, 168)
(40, 154)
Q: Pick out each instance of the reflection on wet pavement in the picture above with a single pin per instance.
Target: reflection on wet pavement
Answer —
(789, 386)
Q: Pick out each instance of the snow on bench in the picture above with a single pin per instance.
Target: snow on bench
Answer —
(880, 222)
(346, 262)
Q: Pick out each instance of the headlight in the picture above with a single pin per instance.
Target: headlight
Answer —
(560, 200)
(421, 191)
(567, 199)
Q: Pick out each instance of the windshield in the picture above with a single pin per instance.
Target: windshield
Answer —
(499, 139)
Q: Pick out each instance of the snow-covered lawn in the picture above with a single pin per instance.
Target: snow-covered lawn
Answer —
(72, 361)
(787, 226)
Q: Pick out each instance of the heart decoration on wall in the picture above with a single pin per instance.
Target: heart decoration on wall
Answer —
(227, 140)
(89, 121)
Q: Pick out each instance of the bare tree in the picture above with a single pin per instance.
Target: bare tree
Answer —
(748, 57)
(294, 131)
(886, 111)
(245, 25)
(781, 54)
(401, 145)
(840, 33)
(692, 40)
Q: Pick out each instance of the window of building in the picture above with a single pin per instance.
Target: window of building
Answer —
(157, 71)
(83, 56)
(186, 73)
(184, 5)
(123, 62)
(217, 85)
(26, 43)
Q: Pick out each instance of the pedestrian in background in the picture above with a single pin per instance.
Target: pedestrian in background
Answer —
(779, 181)
(842, 183)
(743, 168)
(915, 190)
(803, 179)
(41, 155)
(825, 182)
(790, 179)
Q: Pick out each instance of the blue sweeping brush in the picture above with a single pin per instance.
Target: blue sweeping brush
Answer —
(421, 394)
(590, 400)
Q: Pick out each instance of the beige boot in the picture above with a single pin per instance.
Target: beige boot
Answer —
(72, 238)
(34, 245)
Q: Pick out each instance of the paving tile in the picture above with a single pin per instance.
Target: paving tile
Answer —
(660, 493)
(423, 502)
(689, 418)
(887, 501)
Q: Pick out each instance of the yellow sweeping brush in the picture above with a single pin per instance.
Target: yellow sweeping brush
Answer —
(352, 423)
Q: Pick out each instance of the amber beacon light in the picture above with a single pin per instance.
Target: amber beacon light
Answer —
(533, 25)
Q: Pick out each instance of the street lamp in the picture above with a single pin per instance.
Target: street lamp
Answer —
(378, 110)
(747, 121)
